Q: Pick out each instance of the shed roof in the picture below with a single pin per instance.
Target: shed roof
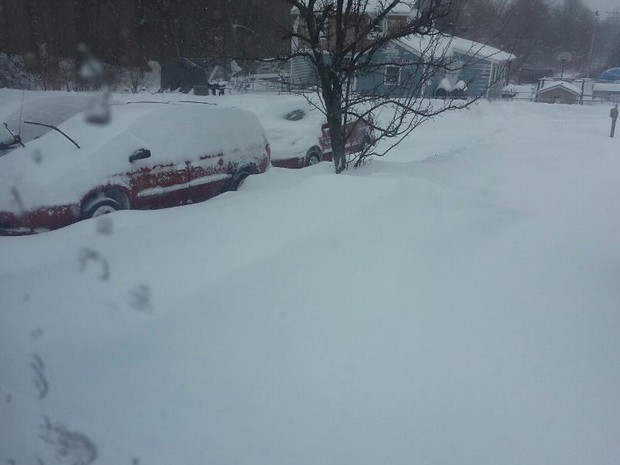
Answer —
(561, 85)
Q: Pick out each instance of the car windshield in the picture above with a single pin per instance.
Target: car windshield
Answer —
(264, 232)
(295, 115)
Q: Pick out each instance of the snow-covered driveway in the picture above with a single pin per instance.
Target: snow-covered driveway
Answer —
(457, 302)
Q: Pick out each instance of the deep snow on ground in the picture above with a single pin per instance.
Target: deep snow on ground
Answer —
(456, 302)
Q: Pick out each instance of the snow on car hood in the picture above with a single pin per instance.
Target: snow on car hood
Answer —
(290, 139)
(52, 171)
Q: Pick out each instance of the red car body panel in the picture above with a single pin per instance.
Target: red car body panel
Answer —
(39, 220)
(293, 163)
(355, 134)
(161, 186)
(146, 189)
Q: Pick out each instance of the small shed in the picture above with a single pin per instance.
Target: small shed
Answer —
(607, 91)
(559, 92)
(184, 75)
(198, 74)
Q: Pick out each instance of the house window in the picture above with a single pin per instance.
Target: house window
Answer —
(392, 75)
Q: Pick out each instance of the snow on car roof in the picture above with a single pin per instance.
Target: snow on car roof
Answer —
(173, 132)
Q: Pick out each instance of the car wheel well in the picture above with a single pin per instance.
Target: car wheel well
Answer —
(240, 174)
(315, 149)
(314, 152)
(113, 193)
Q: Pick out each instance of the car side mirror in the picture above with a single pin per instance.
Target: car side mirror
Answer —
(139, 154)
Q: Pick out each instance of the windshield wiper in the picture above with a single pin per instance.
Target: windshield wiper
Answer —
(54, 128)
(16, 139)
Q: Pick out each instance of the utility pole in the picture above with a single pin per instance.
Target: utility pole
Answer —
(594, 27)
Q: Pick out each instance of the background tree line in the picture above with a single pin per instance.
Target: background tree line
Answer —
(130, 32)
(541, 32)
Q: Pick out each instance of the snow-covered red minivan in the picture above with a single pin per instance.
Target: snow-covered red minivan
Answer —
(149, 156)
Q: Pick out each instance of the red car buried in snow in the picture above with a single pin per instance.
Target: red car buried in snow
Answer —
(299, 135)
(149, 156)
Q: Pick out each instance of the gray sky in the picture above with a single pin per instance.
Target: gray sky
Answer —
(603, 5)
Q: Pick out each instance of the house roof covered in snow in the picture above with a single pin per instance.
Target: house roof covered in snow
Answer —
(441, 44)
(560, 85)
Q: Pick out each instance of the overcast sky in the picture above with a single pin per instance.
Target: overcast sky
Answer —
(603, 5)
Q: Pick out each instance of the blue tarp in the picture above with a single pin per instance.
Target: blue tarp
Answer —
(612, 74)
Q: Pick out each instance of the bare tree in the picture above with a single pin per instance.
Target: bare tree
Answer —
(349, 40)
(136, 79)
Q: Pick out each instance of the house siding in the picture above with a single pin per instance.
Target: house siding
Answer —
(373, 82)
(303, 73)
(478, 75)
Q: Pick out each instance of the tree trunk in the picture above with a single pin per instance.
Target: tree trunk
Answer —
(334, 118)
(332, 95)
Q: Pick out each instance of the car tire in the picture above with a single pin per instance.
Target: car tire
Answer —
(100, 206)
(314, 156)
(238, 179)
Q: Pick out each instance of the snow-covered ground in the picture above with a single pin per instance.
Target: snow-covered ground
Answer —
(457, 302)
